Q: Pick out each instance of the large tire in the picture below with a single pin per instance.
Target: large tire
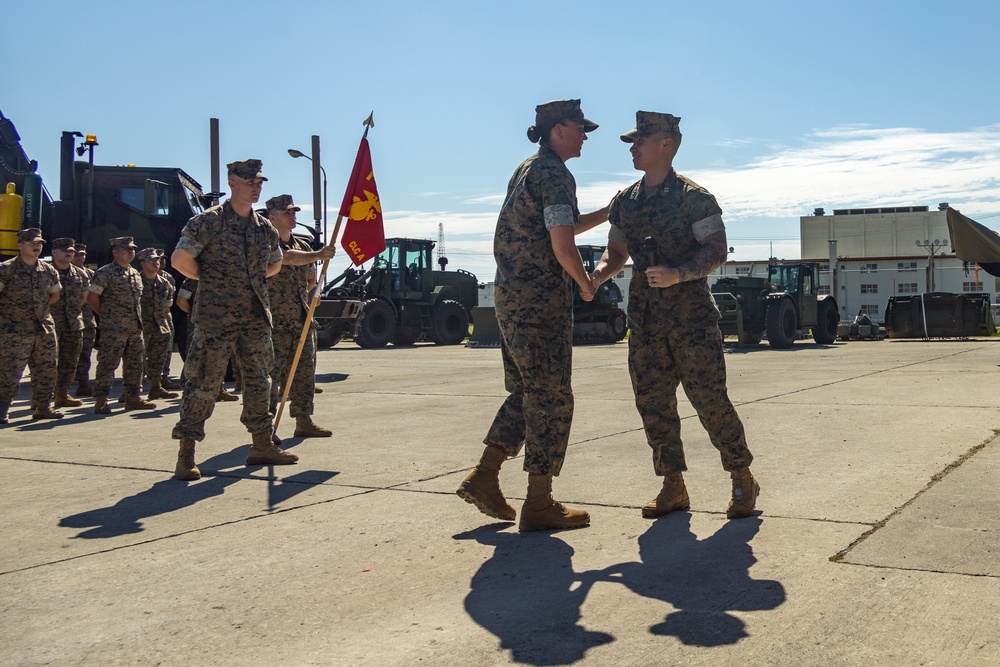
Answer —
(376, 325)
(449, 323)
(328, 335)
(781, 324)
(827, 320)
(618, 325)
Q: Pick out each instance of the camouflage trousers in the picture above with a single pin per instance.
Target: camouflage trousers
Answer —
(117, 348)
(170, 351)
(157, 350)
(70, 344)
(205, 369)
(538, 412)
(664, 352)
(86, 349)
(303, 390)
(39, 352)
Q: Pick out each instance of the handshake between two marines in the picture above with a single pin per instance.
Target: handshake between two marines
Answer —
(672, 229)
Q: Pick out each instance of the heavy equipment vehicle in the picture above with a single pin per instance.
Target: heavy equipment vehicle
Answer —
(783, 306)
(403, 299)
(939, 315)
(600, 320)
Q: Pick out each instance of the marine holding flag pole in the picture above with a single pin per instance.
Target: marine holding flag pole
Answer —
(363, 238)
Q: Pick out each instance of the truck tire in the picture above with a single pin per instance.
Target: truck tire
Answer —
(781, 324)
(618, 325)
(449, 323)
(376, 324)
(827, 320)
(328, 335)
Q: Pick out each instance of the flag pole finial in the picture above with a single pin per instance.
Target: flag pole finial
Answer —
(370, 121)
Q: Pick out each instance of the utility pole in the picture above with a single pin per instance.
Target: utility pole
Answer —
(931, 247)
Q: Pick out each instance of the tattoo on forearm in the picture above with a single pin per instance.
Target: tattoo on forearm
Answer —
(711, 256)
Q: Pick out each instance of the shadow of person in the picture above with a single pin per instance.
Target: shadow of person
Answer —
(169, 495)
(529, 597)
(703, 579)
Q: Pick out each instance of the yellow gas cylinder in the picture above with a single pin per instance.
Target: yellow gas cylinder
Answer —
(11, 204)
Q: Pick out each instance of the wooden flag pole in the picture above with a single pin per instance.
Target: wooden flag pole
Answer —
(313, 303)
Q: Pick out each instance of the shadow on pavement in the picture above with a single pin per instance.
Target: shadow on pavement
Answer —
(169, 495)
(702, 579)
(528, 595)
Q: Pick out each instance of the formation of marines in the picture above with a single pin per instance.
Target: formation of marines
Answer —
(251, 307)
(240, 259)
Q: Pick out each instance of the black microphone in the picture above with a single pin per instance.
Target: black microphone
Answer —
(649, 243)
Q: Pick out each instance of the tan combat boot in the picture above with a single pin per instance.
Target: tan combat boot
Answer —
(745, 490)
(101, 406)
(541, 512)
(43, 411)
(265, 452)
(64, 400)
(305, 427)
(157, 391)
(169, 384)
(482, 486)
(138, 403)
(673, 496)
(226, 396)
(186, 469)
(84, 388)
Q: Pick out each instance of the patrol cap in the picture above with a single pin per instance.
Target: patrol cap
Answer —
(29, 235)
(648, 123)
(246, 169)
(63, 244)
(558, 111)
(281, 203)
(123, 242)
(80, 247)
(148, 253)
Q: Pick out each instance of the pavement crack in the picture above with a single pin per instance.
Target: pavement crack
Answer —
(934, 480)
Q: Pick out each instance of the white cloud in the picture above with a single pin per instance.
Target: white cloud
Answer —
(841, 167)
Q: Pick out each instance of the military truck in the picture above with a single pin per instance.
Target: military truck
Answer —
(403, 300)
(783, 306)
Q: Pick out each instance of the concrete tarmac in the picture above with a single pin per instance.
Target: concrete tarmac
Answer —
(876, 542)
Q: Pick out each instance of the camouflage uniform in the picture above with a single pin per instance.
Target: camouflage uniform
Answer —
(68, 315)
(534, 306)
(89, 329)
(157, 333)
(170, 321)
(120, 291)
(27, 330)
(230, 314)
(289, 295)
(675, 337)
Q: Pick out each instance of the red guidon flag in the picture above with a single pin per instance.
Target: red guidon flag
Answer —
(363, 236)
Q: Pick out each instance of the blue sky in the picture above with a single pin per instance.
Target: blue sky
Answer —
(786, 106)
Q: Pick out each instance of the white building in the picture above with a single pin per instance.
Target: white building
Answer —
(879, 253)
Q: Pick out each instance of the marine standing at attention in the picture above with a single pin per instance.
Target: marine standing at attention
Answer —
(537, 264)
(68, 315)
(115, 295)
(157, 333)
(83, 386)
(674, 336)
(289, 292)
(28, 288)
(231, 250)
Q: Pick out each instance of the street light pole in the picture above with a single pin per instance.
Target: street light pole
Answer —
(297, 153)
(931, 247)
